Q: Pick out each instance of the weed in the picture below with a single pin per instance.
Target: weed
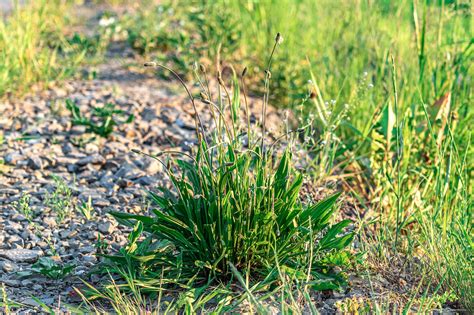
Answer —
(101, 246)
(60, 200)
(102, 120)
(23, 206)
(86, 209)
(50, 268)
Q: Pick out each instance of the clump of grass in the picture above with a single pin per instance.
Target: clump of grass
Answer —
(102, 120)
(234, 209)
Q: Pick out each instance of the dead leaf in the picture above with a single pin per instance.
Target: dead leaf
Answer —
(441, 109)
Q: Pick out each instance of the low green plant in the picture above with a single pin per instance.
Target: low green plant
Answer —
(234, 209)
(86, 208)
(101, 245)
(23, 206)
(60, 199)
(50, 268)
(102, 119)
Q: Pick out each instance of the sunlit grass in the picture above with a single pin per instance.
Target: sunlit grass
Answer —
(33, 48)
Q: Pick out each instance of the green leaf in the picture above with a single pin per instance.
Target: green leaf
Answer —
(320, 212)
(330, 239)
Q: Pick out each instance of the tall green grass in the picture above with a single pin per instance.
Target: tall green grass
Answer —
(34, 48)
(26, 56)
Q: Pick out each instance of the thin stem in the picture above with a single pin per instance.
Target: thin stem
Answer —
(278, 39)
(399, 153)
(247, 111)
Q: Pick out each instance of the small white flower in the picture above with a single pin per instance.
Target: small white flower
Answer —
(333, 102)
(104, 22)
(370, 85)
(365, 73)
(310, 82)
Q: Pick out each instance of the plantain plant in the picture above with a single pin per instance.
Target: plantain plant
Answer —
(102, 120)
(235, 206)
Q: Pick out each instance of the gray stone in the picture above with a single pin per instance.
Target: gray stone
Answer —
(18, 217)
(86, 249)
(21, 255)
(13, 158)
(91, 159)
(8, 266)
(34, 303)
(50, 221)
(37, 287)
(101, 202)
(126, 171)
(11, 282)
(67, 148)
(9, 191)
(35, 163)
(84, 196)
(89, 258)
(68, 233)
(145, 180)
(106, 228)
(15, 240)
